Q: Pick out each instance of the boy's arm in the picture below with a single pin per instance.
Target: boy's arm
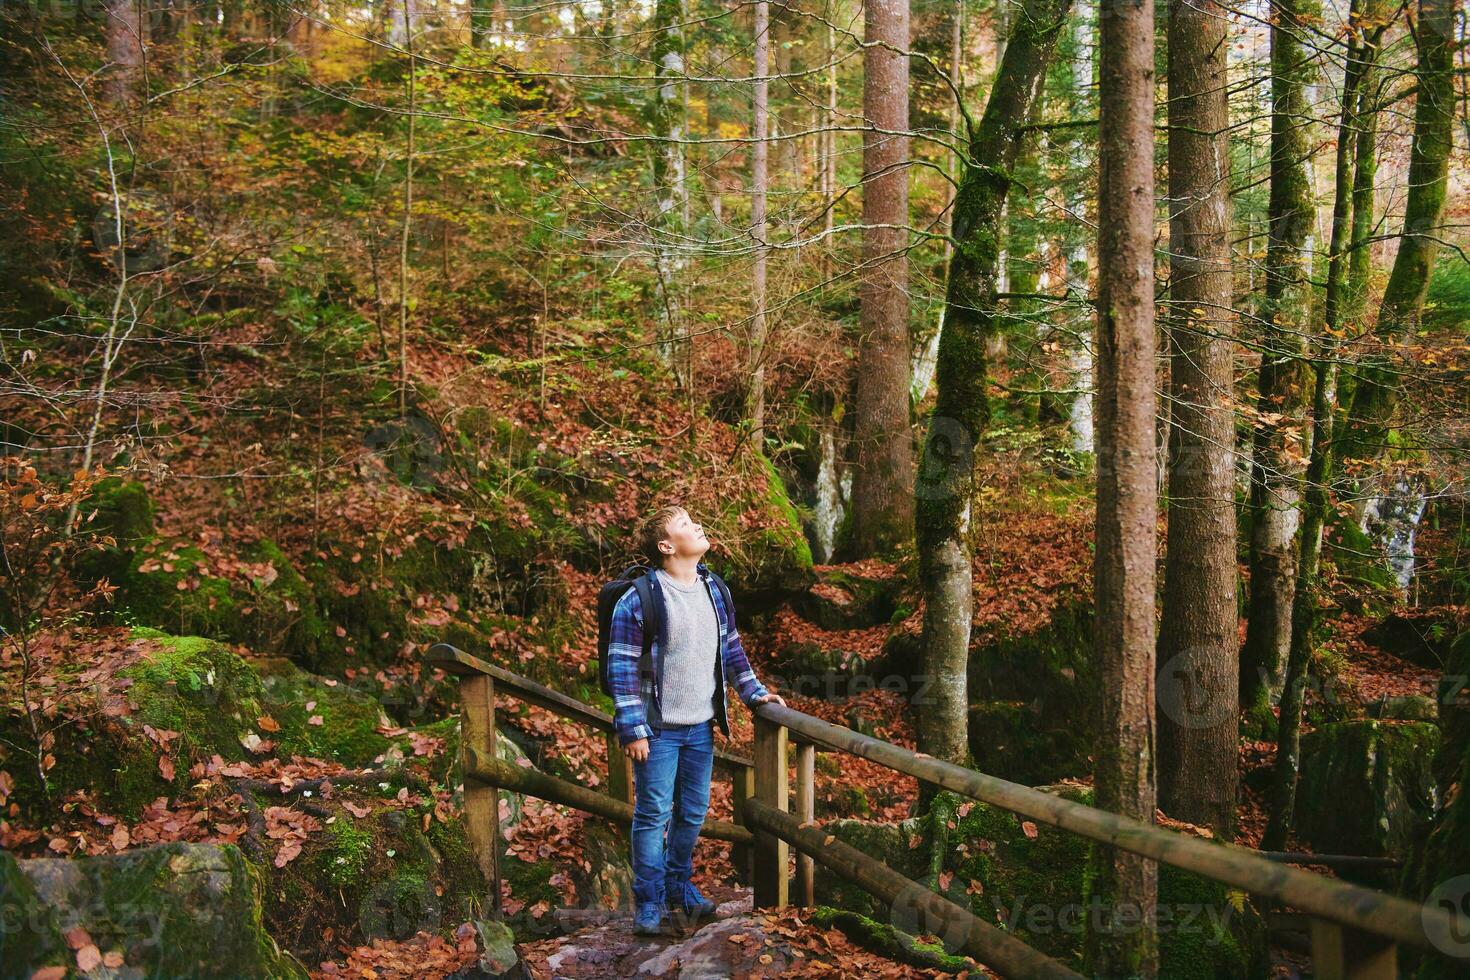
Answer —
(624, 649)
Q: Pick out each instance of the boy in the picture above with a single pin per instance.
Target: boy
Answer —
(666, 725)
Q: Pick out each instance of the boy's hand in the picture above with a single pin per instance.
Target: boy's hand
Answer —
(771, 697)
(637, 751)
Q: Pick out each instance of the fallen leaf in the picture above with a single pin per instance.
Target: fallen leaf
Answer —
(268, 724)
(166, 768)
(112, 959)
(314, 720)
(1028, 828)
(89, 958)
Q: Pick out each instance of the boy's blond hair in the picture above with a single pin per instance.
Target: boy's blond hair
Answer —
(656, 529)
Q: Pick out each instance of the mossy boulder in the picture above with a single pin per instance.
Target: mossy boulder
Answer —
(1032, 696)
(1360, 564)
(1440, 874)
(1031, 880)
(386, 875)
(120, 514)
(324, 718)
(1366, 787)
(172, 589)
(183, 698)
(174, 910)
(768, 557)
(841, 600)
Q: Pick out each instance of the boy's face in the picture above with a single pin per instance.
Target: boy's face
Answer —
(683, 538)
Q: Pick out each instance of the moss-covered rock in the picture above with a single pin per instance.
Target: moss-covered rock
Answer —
(1440, 872)
(841, 600)
(120, 514)
(322, 719)
(1032, 698)
(1360, 563)
(182, 699)
(769, 556)
(174, 910)
(1366, 788)
(171, 589)
(386, 875)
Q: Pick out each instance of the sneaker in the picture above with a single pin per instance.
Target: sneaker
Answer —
(649, 920)
(688, 901)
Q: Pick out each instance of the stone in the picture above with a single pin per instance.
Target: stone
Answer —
(173, 910)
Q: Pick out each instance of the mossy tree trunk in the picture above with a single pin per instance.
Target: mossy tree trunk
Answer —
(1121, 942)
(945, 479)
(1198, 646)
(882, 502)
(1376, 390)
(1278, 442)
(1317, 501)
(666, 117)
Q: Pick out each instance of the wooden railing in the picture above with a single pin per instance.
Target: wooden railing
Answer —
(1354, 930)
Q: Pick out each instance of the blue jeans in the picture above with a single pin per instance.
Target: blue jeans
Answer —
(670, 795)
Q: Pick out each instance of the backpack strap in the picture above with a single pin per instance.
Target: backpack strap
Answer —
(651, 621)
(726, 598)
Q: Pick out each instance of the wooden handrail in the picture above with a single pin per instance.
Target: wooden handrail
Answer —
(456, 661)
(497, 772)
(992, 946)
(1353, 928)
(1358, 908)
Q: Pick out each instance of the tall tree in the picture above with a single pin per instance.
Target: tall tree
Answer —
(961, 411)
(756, 362)
(1376, 392)
(671, 189)
(1198, 645)
(1278, 447)
(1126, 885)
(882, 501)
(124, 48)
(1317, 500)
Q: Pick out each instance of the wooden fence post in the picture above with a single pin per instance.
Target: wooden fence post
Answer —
(481, 801)
(619, 771)
(742, 788)
(771, 852)
(806, 812)
(1340, 953)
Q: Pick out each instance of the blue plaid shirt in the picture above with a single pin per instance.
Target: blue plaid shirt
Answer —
(625, 646)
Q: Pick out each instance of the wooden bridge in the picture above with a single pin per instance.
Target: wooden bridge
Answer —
(1355, 931)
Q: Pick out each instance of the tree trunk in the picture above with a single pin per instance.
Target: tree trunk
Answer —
(756, 362)
(407, 218)
(961, 412)
(1376, 392)
(1125, 885)
(882, 503)
(669, 173)
(1198, 645)
(1080, 368)
(124, 49)
(1282, 803)
(1278, 442)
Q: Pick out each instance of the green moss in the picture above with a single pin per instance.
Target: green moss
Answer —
(346, 854)
(32, 936)
(1031, 696)
(121, 510)
(1371, 787)
(178, 596)
(1360, 563)
(882, 938)
(774, 558)
(349, 718)
(175, 909)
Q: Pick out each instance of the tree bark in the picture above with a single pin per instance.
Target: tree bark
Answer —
(945, 480)
(1124, 884)
(666, 117)
(1282, 803)
(882, 503)
(1198, 647)
(124, 49)
(756, 362)
(1278, 451)
(1376, 391)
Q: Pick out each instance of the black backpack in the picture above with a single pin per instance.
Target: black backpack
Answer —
(638, 577)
